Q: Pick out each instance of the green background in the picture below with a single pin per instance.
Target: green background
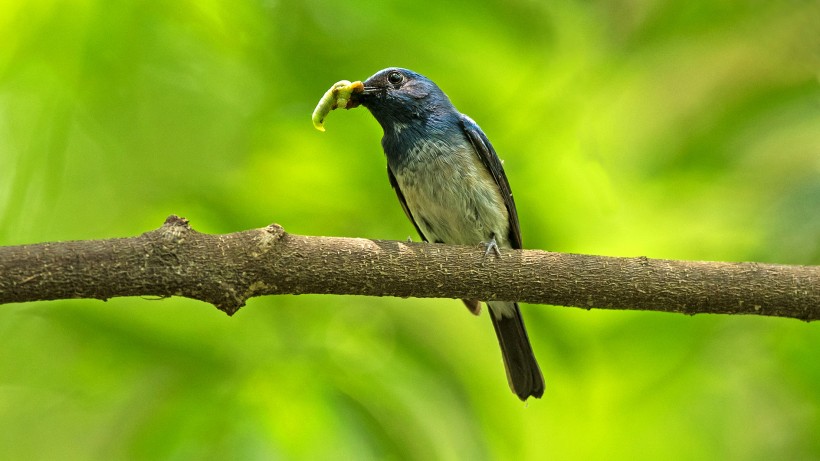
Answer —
(678, 129)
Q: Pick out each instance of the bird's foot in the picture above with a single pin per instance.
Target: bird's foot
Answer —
(492, 245)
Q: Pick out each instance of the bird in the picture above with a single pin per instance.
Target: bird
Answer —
(452, 186)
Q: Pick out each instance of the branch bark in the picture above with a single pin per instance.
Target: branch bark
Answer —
(226, 270)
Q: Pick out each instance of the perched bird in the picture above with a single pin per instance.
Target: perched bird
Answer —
(452, 186)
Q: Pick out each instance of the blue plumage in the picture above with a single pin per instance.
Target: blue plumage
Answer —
(452, 186)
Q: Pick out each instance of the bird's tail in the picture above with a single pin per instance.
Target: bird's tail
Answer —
(523, 373)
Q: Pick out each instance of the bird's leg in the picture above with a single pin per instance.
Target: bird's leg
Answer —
(492, 245)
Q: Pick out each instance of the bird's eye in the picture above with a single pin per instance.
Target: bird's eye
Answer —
(395, 78)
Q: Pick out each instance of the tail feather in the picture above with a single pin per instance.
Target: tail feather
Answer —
(523, 373)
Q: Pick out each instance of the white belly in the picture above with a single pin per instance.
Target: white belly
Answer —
(454, 199)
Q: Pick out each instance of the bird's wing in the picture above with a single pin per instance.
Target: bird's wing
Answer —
(403, 202)
(491, 161)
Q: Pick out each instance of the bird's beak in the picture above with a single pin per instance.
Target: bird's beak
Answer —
(361, 96)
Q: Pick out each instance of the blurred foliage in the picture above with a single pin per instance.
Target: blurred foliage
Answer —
(677, 129)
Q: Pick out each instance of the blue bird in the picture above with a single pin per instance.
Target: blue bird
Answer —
(452, 186)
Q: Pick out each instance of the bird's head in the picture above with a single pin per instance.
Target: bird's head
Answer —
(396, 95)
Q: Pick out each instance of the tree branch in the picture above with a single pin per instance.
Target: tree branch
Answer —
(226, 270)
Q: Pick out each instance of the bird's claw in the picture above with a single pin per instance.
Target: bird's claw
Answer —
(492, 245)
